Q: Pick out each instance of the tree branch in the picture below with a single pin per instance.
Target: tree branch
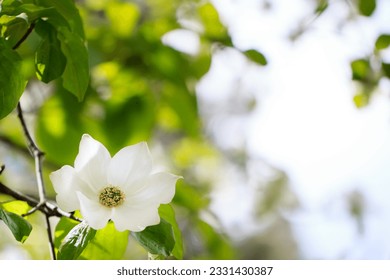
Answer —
(36, 153)
(50, 236)
(30, 201)
(48, 208)
(29, 30)
(38, 156)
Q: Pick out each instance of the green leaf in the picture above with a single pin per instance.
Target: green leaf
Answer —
(386, 69)
(50, 62)
(217, 245)
(12, 82)
(108, 244)
(158, 239)
(17, 206)
(19, 227)
(321, 6)
(382, 42)
(366, 7)
(360, 69)
(75, 242)
(68, 10)
(31, 11)
(63, 227)
(14, 29)
(76, 73)
(361, 100)
(168, 214)
(189, 197)
(256, 56)
(213, 28)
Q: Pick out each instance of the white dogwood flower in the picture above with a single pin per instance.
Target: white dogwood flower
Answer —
(121, 188)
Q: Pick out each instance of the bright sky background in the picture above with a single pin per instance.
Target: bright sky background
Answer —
(306, 122)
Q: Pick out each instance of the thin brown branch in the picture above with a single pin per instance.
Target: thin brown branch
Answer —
(36, 153)
(38, 156)
(15, 194)
(28, 32)
(50, 236)
(48, 208)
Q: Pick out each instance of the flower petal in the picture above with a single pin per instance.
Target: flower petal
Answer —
(93, 212)
(159, 188)
(134, 218)
(130, 165)
(92, 162)
(66, 182)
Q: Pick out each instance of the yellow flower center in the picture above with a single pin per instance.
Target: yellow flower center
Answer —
(111, 196)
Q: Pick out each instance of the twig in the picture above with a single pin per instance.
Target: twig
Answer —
(48, 208)
(29, 30)
(38, 155)
(50, 236)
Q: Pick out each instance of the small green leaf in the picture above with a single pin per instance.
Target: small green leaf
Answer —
(360, 69)
(19, 227)
(213, 28)
(366, 7)
(158, 239)
(168, 214)
(75, 242)
(12, 82)
(386, 69)
(50, 62)
(361, 100)
(68, 11)
(17, 206)
(382, 42)
(321, 6)
(108, 244)
(14, 29)
(76, 73)
(256, 56)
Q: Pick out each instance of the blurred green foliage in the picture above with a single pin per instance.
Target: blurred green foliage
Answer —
(132, 86)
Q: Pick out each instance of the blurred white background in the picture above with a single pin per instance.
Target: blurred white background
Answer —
(305, 123)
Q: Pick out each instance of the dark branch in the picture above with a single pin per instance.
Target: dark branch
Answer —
(36, 153)
(50, 236)
(42, 205)
(29, 30)
(30, 200)
(48, 208)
